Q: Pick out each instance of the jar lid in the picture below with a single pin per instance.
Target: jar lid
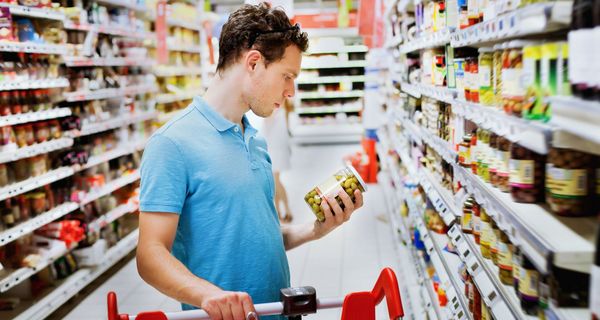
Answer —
(360, 180)
(486, 50)
(520, 44)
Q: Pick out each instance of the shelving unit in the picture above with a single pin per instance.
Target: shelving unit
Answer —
(551, 242)
(328, 102)
(133, 91)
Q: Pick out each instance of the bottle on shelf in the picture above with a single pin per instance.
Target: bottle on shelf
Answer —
(529, 287)
(581, 49)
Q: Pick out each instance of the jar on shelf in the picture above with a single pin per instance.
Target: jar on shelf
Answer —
(474, 67)
(29, 134)
(497, 75)
(513, 92)
(55, 130)
(569, 185)
(486, 88)
(528, 287)
(5, 103)
(474, 149)
(467, 216)
(495, 241)
(526, 174)
(464, 151)
(3, 175)
(37, 202)
(484, 156)
(468, 79)
(21, 135)
(42, 132)
(476, 221)
(492, 159)
(503, 160)
(516, 266)
(505, 260)
(487, 235)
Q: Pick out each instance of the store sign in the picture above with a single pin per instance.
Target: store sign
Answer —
(162, 54)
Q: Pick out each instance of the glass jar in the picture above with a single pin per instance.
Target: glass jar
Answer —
(484, 152)
(464, 151)
(15, 103)
(486, 234)
(468, 79)
(503, 158)
(526, 174)
(494, 241)
(37, 165)
(5, 103)
(25, 101)
(344, 180)
(42, 132)
(3, 175)
(55, 130)
(476, 221)
(21, 135)
(475, 152)
(467, 217)
(492, 159)
(497, 75)
(486, 88)
(37, 202)
(475, 80)
(528, 287)
(569, 184)
(506, 261)
(513, 92)
(516, 267)
(29, 134)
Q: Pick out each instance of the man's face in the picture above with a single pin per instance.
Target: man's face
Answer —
(269, 87)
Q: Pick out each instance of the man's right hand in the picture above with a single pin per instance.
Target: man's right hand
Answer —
(227, 305)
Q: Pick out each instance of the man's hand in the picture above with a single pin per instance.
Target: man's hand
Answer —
(227, 305)
(335, 216)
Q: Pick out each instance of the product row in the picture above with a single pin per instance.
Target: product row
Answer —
(21, 67)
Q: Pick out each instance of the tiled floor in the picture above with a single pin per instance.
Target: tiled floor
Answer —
(349, 259)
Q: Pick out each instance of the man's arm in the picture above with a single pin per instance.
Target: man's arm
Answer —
(335, 216)
(164, 272)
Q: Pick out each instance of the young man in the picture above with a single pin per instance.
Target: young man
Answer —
(207, 186)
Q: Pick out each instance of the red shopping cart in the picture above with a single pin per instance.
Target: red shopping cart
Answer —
(296, 302)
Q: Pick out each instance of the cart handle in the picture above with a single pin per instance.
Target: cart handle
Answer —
(356, 306)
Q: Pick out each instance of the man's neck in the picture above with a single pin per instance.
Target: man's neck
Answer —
(225, 96)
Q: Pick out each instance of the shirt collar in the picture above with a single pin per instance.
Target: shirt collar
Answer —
(217, 120)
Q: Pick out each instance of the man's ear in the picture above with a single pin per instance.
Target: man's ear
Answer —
(252, 58)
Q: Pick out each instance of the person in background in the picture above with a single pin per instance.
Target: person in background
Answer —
(275, 131)
(209, 233)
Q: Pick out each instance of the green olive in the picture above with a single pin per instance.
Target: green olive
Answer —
(347, 184)
(349, 191)
(317, 200)
(311, 201)
(315, 207)
(354, 186)
(339, 177)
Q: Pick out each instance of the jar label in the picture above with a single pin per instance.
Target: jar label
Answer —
(505, 260)
(528, 283)
(485, 77)
(486, 233)
(329, 188)
(476, 223)
(566, 183)
(503, 160)
(522, 173)
(595, 290)
(466, 221)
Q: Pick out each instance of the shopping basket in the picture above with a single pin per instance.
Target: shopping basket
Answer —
(297, 302)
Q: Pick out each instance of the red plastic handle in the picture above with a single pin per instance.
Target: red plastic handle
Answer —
(113, 311)
(361, 305)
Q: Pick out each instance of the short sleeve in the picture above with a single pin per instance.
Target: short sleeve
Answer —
(163, 185)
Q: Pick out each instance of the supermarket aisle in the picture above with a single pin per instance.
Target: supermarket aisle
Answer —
(347, 260)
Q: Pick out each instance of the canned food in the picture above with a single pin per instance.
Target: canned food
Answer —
(345, 179)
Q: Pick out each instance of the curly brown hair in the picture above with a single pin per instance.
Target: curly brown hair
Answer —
(261, 28)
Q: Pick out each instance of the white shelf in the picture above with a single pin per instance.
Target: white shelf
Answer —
(326, 133)
(175, 71)
(174, 97)
(30, 225)
(18, 188)
(79, 280)
(330, 79)
(34, 116)
(532, 19)
(331, 94)
(124, 4)
(321, 110)
(113, 30)
(440, 93)
(31, 12)
(110, 187)
(35, 149)
(34, 84)
(25, 273)
(334, 65)
(111, 216)
(106, 62)
(30, 47)
(577, 116)
(109, 93)
(113, 154)
(345, 49)
(437, 39)
(110, 124)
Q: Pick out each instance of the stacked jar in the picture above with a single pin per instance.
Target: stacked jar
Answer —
(486, 88)
(526, 174)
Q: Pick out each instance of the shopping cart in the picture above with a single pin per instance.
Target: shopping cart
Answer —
(296, 302)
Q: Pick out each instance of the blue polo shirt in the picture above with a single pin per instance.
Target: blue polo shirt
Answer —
(219, 181)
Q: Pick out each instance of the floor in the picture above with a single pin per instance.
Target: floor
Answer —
(347, 260)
